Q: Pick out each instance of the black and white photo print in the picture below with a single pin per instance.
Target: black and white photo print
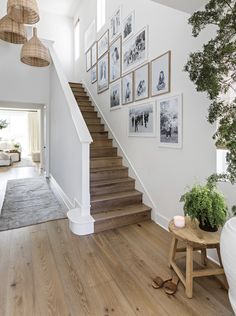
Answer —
(94, 74)
(128, 26)
(170, 121)
(103, 74)
(88, 60)
(103, 44)
(160, 74)
(135, 50)
(115, 95)
(94, 54)
(142, 120)
(115, 60)
(115, 25)
(128, 88)
(141, 84)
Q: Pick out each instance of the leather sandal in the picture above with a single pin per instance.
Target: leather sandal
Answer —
(170, 287)
(158, 282)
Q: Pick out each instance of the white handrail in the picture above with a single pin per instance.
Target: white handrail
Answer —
(77, 117)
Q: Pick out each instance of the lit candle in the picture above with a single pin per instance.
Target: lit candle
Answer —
(179, 221)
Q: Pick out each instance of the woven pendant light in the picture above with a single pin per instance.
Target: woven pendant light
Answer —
(34, 53)
(12, 32)
(23, 11)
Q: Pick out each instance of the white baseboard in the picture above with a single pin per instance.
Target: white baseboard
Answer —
(80, 225)
(55, 186)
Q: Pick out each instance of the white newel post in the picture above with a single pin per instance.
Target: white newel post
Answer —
(80, 220)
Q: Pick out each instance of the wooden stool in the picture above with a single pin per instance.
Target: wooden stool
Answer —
(195, 240)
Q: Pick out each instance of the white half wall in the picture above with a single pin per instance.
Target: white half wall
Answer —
(165, 172)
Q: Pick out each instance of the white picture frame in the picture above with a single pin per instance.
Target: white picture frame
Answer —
(115, 95)
(103, 73)
(103, 44)
(161, 74)
(128, 26)
(88, 60)
(115, 60)
(115, 24)
(142, 120)
(135, 50)
(141, 83)
(94, 74)
(127, 88)
(94, 54)
(170, 129)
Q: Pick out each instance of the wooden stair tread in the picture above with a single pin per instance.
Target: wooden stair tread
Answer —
(102, 158)
(108, 168)
(99, 183)
(121, 211)
(112, 196)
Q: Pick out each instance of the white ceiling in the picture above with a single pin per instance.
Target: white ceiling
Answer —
(63, 7)
(188, 6)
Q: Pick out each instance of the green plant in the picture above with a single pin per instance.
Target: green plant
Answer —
(234, 210)
(206, 204)
(213, 71)
(3, 124)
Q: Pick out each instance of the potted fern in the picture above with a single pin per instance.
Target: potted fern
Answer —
(206, 204)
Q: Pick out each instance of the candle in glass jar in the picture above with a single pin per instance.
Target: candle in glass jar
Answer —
(179, 221)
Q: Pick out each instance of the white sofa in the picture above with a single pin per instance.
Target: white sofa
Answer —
(5, 159)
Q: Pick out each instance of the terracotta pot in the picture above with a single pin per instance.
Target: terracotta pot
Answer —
(228, 253)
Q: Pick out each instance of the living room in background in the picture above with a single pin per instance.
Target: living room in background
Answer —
(21, 139)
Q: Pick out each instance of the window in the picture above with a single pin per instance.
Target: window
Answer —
(101, 14)
(77, 40)
(221, 163)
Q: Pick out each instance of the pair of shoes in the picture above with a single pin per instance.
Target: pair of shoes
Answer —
(170, 285)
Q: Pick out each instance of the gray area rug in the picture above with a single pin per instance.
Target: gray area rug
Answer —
(29, 202)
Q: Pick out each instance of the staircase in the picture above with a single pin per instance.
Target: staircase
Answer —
(114, 200)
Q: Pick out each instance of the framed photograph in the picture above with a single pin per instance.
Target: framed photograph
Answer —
(115, 60)
(142, 120)
(141, 84)
(115, 25)
(94, 74)
(103, 44)
(128, 26)
(103, 73)
(160, 74)
(115, 95)
(128, 88)
(135, 50)
(170, 121)
(94, 54)
(88, 60)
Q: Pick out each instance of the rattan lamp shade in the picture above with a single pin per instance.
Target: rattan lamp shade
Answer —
(34, 53)
(23, 11)
(12, 32)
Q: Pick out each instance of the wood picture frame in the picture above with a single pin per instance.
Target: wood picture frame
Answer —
(103, 73)
(94, 54)
(160, 74)
(127, 96)
(88, 60)
(115, 60)
(141, 83)
(103, 44)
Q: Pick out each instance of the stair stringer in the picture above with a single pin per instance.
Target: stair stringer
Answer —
(126, 161)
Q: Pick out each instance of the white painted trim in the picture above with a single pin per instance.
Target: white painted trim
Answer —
(66, 200)
(79, 224)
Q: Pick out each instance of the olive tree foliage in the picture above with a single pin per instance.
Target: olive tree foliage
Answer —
(213, 70)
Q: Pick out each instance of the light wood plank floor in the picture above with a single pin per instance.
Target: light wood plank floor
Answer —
(46, 270)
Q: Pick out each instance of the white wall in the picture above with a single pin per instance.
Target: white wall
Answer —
(20, 82)
(164, 172)
(59, 29)
(65, 148)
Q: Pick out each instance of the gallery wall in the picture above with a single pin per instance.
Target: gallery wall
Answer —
(164, 172)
